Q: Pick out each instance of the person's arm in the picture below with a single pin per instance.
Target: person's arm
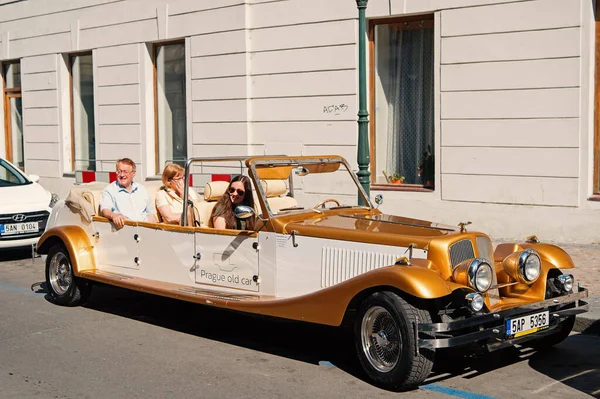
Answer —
(107, 206)
(219, 222)
(168, 215)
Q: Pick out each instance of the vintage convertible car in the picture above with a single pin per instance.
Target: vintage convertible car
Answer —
(322, 253)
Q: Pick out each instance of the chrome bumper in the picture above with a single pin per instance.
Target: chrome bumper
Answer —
(490, 328)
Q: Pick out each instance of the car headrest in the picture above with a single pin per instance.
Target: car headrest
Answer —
(215, 190)
(274, 188)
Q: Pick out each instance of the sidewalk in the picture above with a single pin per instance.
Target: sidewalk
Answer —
(587, 273)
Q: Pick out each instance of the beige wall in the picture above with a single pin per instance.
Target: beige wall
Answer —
(514, 95)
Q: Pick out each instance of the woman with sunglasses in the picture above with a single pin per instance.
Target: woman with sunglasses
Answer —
(169, 199)
(239, 192)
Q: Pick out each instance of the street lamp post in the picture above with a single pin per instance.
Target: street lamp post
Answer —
(363, 114)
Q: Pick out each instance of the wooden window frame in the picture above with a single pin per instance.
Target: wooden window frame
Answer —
(71, 110)
(7, 94)
(406, 21)
(596, 156)
(155, 46)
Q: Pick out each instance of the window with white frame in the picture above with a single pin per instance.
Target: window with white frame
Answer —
(171, 131)
(83, 133)
(403, 102)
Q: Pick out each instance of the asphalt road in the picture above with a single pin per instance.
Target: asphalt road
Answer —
(125, 345)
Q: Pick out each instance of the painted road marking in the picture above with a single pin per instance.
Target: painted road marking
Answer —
(453, 392)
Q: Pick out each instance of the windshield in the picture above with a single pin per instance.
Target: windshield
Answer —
(307, 185)
(10, 176)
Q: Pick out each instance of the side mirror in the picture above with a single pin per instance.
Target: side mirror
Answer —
(379, 199)
(34, 178)
(301, 171)
(243, 212)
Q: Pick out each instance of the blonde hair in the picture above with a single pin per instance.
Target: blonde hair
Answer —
(125, 161)
(170, 171)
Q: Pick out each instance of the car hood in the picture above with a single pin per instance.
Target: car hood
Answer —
(372, 227)
(26, 198)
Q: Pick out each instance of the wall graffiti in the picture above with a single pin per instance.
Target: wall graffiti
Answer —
(335, 109)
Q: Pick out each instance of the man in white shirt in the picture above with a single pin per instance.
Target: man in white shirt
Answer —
(125, 200)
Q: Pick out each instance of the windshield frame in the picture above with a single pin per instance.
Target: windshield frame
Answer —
(23, 179)
(253, 163)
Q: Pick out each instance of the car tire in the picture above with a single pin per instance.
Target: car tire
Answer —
(562, 332)
(384, 336)
(64, 288)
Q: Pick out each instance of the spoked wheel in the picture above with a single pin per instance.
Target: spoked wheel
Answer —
(64, 288)
(380, 339)
(386, 343)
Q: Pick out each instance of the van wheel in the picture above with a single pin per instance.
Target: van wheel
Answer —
(64, 288)
(385, 342)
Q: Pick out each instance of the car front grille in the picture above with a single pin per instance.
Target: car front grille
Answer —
(38, 216)
(460, 251)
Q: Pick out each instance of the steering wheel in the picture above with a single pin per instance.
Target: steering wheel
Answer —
(322, 203)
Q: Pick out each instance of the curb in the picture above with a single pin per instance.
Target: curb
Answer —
(589, 322)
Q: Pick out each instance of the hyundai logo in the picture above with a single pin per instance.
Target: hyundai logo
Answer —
(19, 217)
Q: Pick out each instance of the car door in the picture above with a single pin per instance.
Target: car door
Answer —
(227, 258)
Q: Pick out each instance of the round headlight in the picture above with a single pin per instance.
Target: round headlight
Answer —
(530, 265)
(567, 282)
(476, 301)
(480, 275)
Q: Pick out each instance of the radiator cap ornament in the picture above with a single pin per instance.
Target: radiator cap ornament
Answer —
(463, 226)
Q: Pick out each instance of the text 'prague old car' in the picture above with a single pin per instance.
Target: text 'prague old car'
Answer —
(320, 253)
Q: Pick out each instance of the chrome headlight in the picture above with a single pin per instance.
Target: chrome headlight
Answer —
(475, 300)
(530, 265)
(480, 275)
(53, 200)
(566, 280)
(476, 273)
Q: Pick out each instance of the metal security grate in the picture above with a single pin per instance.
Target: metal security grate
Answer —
(460, 251)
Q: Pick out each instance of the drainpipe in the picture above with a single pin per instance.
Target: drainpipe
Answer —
(363, 115)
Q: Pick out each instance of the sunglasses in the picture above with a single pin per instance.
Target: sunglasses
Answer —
(239, 192)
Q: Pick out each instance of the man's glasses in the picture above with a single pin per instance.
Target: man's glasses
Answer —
(240, 192)
(124, 172)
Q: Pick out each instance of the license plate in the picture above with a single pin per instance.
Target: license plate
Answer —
(18, 228)
(529, 324)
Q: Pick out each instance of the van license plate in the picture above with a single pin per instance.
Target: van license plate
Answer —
(528, 324)
(19, 228)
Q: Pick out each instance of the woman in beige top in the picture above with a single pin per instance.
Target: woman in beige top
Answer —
(169, 199)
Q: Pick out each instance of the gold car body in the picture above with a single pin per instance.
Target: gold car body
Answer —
(313, 265)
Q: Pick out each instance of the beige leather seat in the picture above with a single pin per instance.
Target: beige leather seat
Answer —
(213, 191)
(276, 191)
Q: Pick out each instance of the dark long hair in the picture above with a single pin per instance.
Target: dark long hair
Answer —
(226, 206)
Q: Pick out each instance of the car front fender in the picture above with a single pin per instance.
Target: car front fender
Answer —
(76, 241)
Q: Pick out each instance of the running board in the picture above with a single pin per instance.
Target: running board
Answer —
(176, 291)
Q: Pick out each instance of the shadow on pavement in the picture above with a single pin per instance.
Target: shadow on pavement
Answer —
(574, 363)
(569, 363)
(15, 254)
(305, 342)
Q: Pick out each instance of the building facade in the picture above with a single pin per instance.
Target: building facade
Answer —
(484, 110)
